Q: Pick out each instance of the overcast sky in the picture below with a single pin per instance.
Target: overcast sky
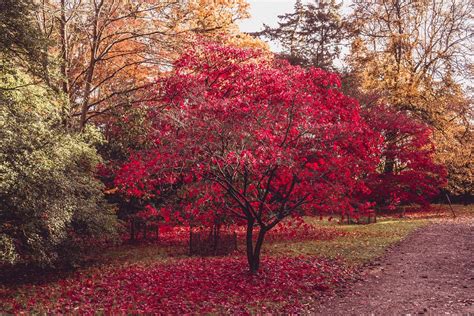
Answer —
(265, 11)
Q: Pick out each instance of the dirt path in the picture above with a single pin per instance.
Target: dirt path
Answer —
(430, 272)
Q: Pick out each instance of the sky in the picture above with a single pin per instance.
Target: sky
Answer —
(265, 11)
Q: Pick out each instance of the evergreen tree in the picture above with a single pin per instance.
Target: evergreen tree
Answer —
(311, 35)
(21, 41)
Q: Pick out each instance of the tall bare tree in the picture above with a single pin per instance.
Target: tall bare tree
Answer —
(108, 51)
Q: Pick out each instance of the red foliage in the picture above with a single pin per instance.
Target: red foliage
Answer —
(195, 285)
(407, 173)
(242, 138)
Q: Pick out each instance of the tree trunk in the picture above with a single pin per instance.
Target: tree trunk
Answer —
(250, 244)
(258, 248)
(132, 229)
(91, 68)
(64, 50)
(191, 240)
(389, 166)
(253, 253)
(215, 238)
(87, 90)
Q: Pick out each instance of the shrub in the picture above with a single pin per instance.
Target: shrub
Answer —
(49, 198)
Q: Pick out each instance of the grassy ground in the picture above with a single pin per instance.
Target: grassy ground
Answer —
(359, 244)
(363, 243)
(353, 244)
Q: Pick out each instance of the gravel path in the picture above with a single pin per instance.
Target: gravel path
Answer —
(430, 272)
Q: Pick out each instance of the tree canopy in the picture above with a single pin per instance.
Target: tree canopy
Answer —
(256, 140)
(414, 56)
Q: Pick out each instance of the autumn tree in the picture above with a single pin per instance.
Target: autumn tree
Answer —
(415, 55)
(255, 139)
(108, 51)
(311, 35)
(407, 172)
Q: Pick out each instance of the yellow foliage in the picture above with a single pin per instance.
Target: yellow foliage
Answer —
(398, 57)
(110, 63)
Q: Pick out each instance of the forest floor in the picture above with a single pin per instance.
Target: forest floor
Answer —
(419, 263)
(430, 272)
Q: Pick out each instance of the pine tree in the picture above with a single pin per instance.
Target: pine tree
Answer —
(311, 35)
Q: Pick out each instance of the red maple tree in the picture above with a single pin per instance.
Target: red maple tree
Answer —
(407, 173)
(239, 136)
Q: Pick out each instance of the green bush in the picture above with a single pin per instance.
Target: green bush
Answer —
(49, 199)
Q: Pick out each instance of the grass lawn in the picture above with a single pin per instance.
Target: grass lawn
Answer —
(359, 244)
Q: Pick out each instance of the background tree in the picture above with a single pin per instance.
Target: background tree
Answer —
(413, 55)
(109, 51)
(311, 35)
(407, 173)
(49, 198)
(21, 42)
(104, 54)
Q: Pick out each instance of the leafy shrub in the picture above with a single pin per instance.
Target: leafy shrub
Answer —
(49, 198)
